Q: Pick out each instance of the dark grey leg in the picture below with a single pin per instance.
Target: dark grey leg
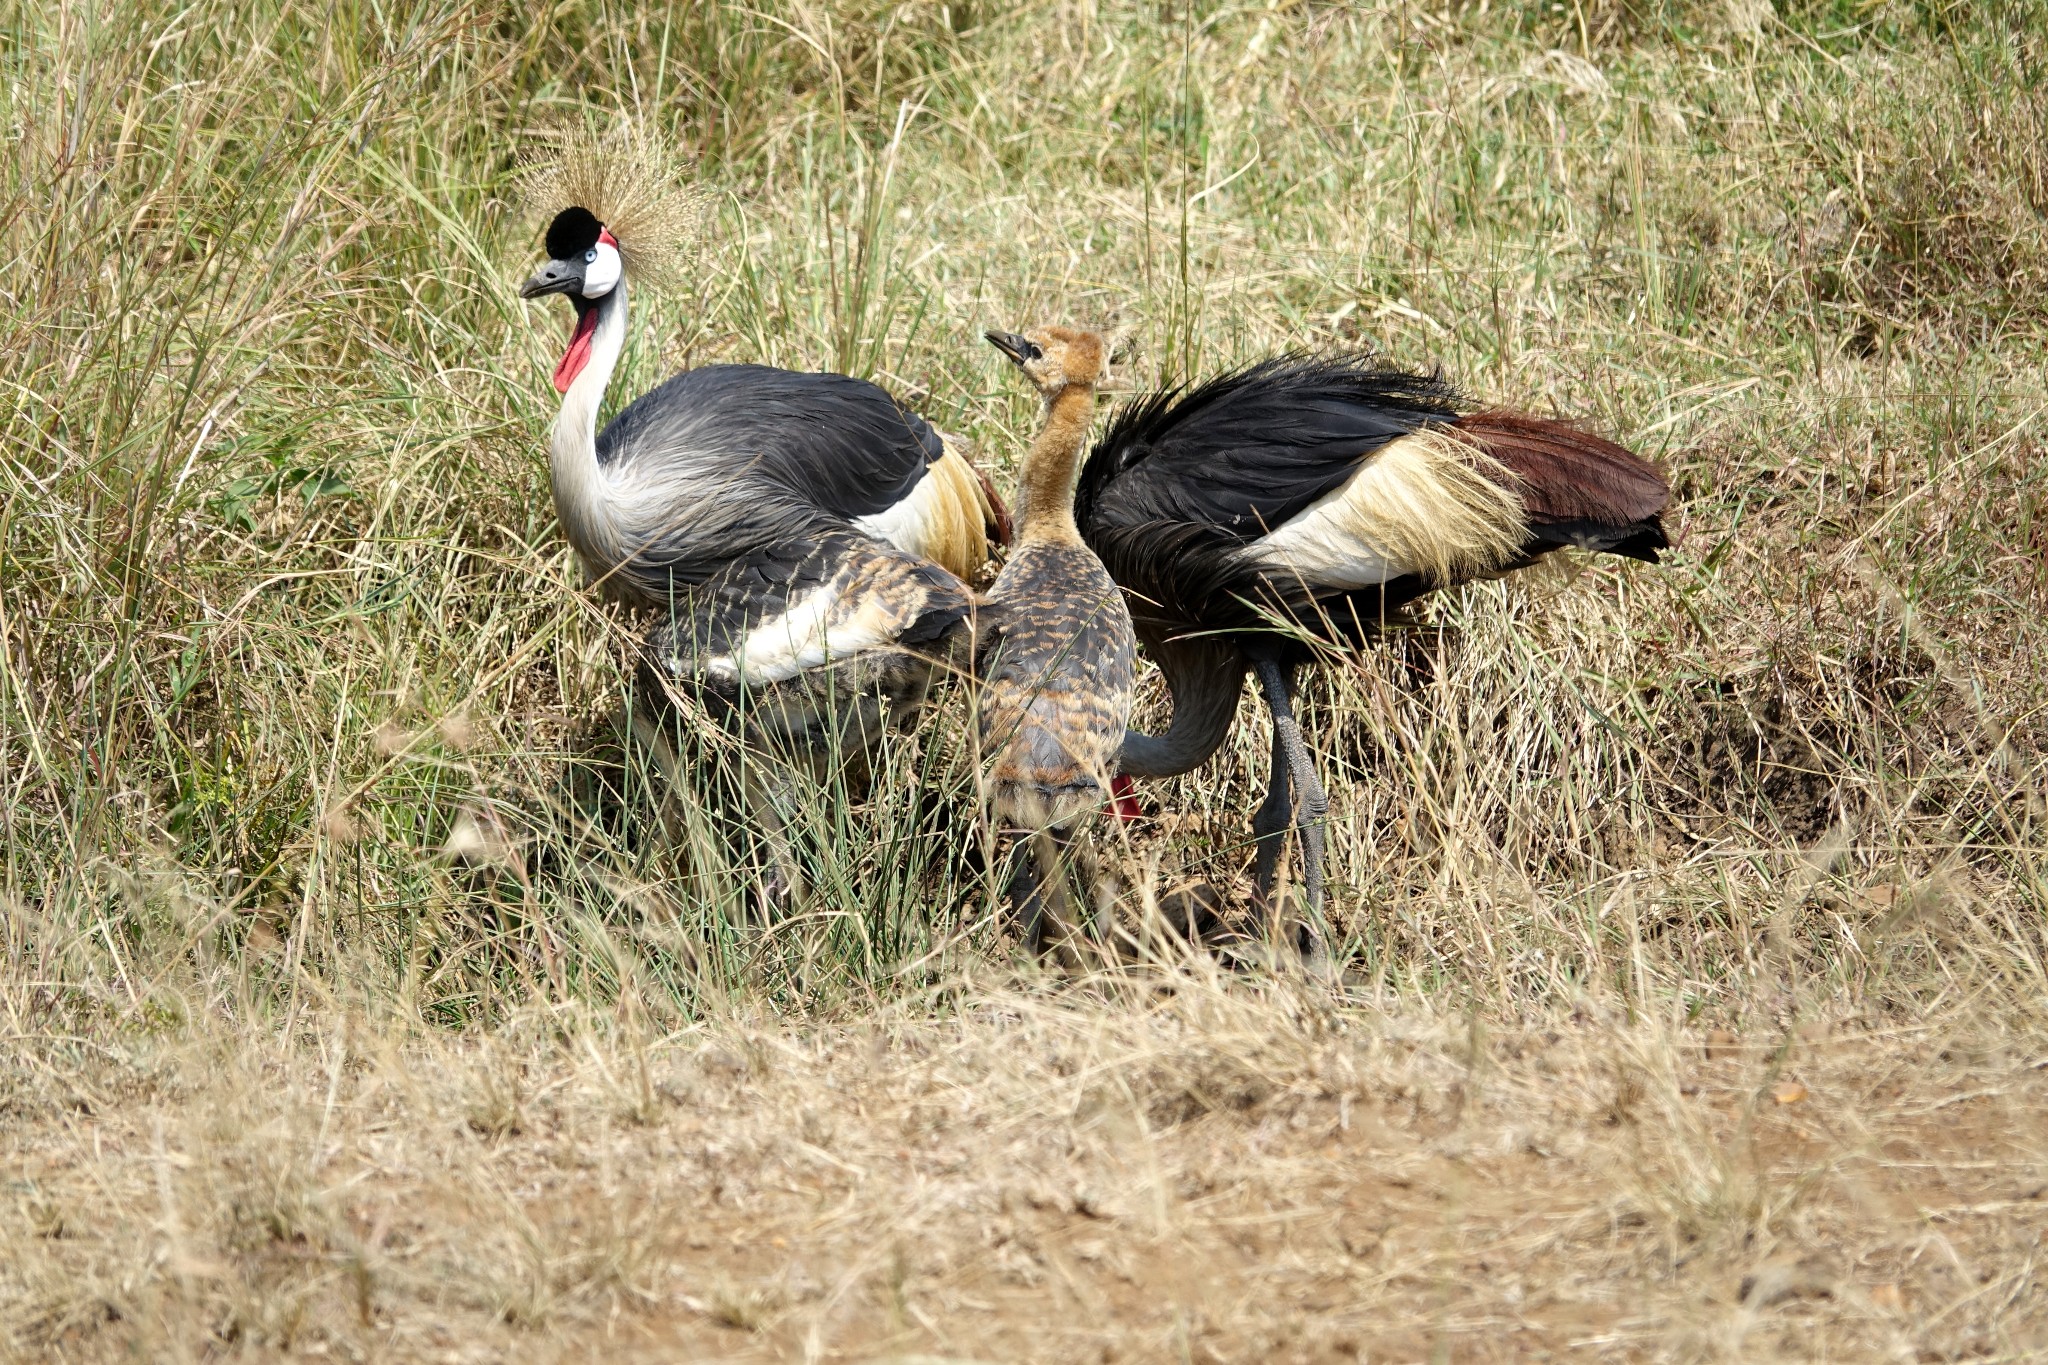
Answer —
(1037, 893)
(1024, 893)
(1271, 821)
(1315, 802)
(1051, 847)
(769, 790)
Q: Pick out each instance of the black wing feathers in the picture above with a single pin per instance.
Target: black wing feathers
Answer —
(714, 616)
(1184, 479)
(1248, 450)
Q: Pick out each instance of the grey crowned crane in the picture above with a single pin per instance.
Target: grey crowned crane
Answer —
(1302, 502)
(1056, 656)
(804, 537)
(718, 462)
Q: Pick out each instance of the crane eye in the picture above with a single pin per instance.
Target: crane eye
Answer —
(1032, 347)
(590, 256)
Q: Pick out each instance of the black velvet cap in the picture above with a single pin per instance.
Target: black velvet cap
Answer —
(573, 232)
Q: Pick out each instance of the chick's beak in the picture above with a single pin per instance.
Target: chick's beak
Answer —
(1010, 344)
(556, 277)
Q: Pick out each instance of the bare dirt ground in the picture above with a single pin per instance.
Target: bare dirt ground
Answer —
(1180, 1170)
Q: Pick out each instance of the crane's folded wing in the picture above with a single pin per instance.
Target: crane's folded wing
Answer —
(785, 609)
(844, 445)
(1249, 450)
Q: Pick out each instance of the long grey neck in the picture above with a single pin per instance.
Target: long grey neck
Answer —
(1205, 676)
(582, 492)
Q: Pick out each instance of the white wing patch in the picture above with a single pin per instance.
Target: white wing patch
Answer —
(866, 605)
(1429, 504)
(943, 519)
(906, 524)
(801, 638)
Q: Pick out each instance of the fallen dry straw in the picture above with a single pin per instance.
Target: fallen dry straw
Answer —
(1158, 1167)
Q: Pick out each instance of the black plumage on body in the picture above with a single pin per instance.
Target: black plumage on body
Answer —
(1180, 490)
(756, 456)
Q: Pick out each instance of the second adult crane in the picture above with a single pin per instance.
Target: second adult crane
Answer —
(1306, 499)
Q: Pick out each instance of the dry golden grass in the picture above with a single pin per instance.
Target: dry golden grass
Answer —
(1691, 918)
(1166, 1169)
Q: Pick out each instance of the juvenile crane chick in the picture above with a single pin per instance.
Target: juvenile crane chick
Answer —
(1056, 657)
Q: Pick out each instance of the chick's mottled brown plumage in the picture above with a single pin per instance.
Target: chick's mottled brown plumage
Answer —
(1057, 664)
(1058, 671)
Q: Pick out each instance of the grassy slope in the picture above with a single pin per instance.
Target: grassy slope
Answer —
(281, 600)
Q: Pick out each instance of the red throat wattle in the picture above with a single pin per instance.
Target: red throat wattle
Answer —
(578, 354)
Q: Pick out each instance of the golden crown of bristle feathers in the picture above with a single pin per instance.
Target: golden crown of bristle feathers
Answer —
(632, 181)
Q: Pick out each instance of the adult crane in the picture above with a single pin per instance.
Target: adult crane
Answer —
(804, 538)
(722, 460)
(1299, 503)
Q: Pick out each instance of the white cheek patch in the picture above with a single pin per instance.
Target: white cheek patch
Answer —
(601, 276)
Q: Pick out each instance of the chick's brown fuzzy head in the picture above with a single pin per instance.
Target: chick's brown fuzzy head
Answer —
(1055, 358)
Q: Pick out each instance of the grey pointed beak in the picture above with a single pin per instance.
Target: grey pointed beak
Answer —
(1010, 344)
(556, 277)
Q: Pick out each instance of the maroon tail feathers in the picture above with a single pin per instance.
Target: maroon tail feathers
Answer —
(1580, 489)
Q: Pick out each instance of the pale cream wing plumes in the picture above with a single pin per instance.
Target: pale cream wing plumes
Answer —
(1429, 504)
(634, 181)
